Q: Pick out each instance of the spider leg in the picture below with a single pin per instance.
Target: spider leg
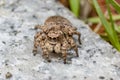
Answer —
(36, 44)
(38, 27)
(73, 31)
(64, 55)
(73, 45)
(79, 35)
(76, 50)
(46, 54)
(65, 46)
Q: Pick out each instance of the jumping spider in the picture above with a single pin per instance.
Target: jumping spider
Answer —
(56, 36)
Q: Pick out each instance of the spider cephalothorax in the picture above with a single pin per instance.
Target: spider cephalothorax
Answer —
(56, 36)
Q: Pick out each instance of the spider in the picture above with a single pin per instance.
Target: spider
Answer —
(56, 36)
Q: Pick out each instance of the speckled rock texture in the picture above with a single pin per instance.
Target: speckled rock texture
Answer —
(98, 60)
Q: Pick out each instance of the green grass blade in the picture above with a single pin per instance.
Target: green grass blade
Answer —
(96, 20)
(112, 24)
(116, 17)
(115, 5)
(75, 7)
(117, 28)
(110, 31)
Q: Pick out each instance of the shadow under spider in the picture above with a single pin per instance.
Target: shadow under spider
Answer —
(57, 57)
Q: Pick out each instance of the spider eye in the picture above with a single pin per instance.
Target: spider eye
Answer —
(54, 38)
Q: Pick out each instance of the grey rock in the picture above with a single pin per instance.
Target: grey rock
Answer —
(98, 59)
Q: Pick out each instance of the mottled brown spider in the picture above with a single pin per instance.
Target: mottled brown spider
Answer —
(56, 36)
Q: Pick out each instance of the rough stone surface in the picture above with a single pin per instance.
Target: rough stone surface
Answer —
(98, 60)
